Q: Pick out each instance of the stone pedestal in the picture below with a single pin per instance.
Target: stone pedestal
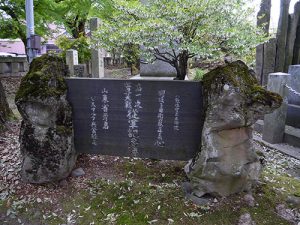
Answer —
(71, 60)
(274, 123)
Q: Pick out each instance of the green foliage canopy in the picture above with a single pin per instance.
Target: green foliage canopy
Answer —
(81, 44)
(176, 30)
(12, 18)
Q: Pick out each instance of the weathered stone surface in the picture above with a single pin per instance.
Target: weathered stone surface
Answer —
(157, 69)
(269, 60)
(97, 54)
(282, 34)
(259, 62)
(294, 201)
(292, 116)
(227, 162)
(46, 137)
(249, 200)
(291, 36)
(246, 219)
(5, 111)
(71, 60)
(296, 52)
(285, 213)
(80, 70)
(274, 123)
(77, 172)
(294, 70)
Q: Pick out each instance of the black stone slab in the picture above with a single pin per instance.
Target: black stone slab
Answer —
(293, 116)
(141, 117)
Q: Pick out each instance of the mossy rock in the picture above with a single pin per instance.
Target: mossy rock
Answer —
(44, 79)
(238, 75)
(5, 112)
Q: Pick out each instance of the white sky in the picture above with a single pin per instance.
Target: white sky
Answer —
(275, 11)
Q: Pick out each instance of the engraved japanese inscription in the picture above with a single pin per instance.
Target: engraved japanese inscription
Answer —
(137, 118)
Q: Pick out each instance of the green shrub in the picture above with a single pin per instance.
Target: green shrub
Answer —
(199, 74)
(81, 44)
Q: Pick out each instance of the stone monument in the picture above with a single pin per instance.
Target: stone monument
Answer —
(227, 162)
(97, 54)
(46, 136)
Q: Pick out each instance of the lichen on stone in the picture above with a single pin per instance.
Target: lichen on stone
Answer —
(238, 75)
(46, 137)
(227, 163)
(44, 79)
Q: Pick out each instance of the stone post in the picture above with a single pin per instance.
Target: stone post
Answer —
(291, 36)
(71, 60)
(269, 54)
(263, 20)
(282, 34)
(274, 123)
(97, 54)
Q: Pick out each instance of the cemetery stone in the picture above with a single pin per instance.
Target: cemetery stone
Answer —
(71, 60)
(46, 136)
(227, 162)
(273, 131)
(97, 54)
(282, 35)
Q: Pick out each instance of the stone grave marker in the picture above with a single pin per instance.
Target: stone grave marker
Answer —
(71, 60)
(97, 54)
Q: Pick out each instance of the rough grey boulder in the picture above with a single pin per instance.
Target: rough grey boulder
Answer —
(46, 136)
(227, 162)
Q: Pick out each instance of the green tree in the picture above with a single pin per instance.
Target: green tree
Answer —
(12, 18)
(73, 14)
(81, 44)
(175, 30)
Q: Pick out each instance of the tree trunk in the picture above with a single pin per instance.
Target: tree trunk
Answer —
(183, 65)
(77, 27)
(5, 111)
